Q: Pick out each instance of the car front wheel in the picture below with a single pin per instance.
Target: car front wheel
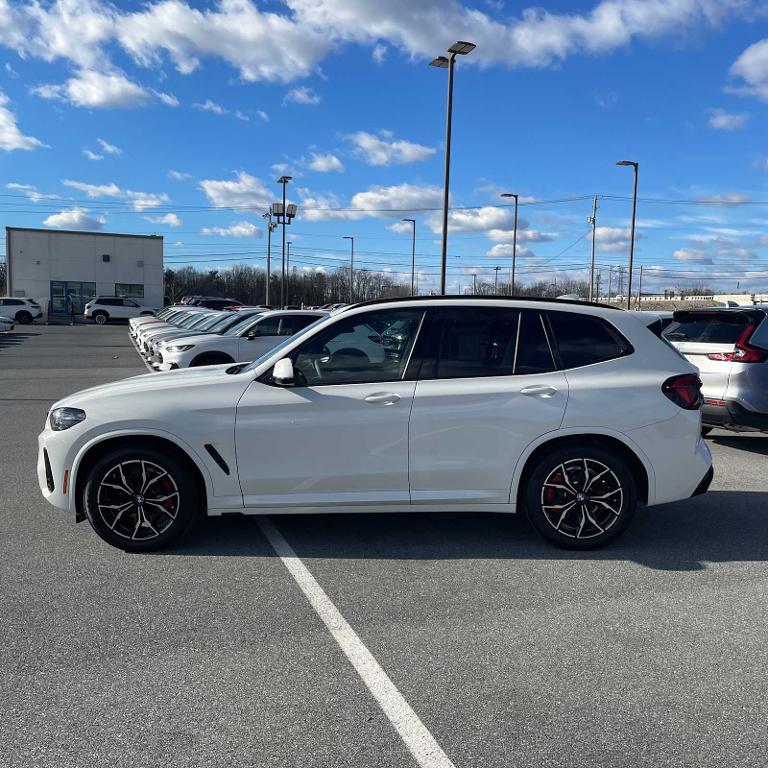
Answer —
(100, 318)
(139, 499)
(24, 317)
(581, 496)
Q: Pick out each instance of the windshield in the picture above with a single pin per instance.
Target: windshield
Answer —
(239, 327)
(211, 322)
(194, 320)
(256, 363)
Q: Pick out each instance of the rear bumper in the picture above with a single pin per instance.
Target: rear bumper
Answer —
(733, 415)
(706, 481)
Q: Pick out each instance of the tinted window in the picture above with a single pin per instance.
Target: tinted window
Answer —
(291, 325)
(533, 352)
(110, 302)
(270, 326)
(477, 341)
(369, 347)
(708, 329)
(13, 302)
(584, 339)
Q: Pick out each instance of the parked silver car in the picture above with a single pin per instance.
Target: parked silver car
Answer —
(729, 346)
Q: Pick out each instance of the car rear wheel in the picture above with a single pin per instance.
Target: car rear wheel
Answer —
(139, 499)
(100, 318)
(581, 496)
(24, 317)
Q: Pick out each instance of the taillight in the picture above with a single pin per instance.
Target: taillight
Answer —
(743, 351)
(684, 390)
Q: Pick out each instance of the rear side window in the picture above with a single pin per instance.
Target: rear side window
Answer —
(585, 339)
(708, 329)
(291, 325)
(490, 341)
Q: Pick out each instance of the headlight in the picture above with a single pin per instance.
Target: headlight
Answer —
(179, 348)
(64, 418)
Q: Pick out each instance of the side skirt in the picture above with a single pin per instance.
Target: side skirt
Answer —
(370, 508)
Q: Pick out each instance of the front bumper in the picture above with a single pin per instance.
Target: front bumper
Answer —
(732, 415)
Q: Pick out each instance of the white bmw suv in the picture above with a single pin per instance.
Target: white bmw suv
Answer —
(570, 411)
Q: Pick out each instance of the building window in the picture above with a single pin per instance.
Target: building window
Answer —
(129, 290)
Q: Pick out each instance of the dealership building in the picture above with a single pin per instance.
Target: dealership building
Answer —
(49, 265)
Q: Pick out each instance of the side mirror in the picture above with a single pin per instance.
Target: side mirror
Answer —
(282, 373)
(252, 334)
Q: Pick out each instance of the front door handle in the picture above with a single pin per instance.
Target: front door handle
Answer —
(538, 390)
(382, 398)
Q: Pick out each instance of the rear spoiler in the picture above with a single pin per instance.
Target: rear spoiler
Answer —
(727, 315)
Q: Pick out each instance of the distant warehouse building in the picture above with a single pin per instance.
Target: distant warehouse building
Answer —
(49, 265)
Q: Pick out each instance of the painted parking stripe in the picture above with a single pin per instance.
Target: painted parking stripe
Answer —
(406, 722)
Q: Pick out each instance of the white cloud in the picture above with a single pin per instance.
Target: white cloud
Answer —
(301, 95)
(729, 198)
(399, 199)
(211, 106)
(379, 53)
(110, 149)
(262, 115)
(752, 68)
(167, 98)
(179, 175)
(171, 219)
(96, 90)
(30, 191)
(613, 239)
(325, 208)
(524, 234)
(379, 151)
(504, 251)
(245, 192)
(140, 201)
(236, 229)
(325, 163)
(721, 120)
(92, 155)
(11, 136)
(474, 219)
(75, 218)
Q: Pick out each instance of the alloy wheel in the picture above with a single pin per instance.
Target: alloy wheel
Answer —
(582, 498)
(138, 500)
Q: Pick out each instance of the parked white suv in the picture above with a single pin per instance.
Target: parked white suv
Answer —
(21, 310)
(570, 411)
(105, 308)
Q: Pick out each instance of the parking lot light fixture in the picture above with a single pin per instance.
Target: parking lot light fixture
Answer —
(634, 165)
(459, 48)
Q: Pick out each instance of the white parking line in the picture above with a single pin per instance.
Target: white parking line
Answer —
(413, 732)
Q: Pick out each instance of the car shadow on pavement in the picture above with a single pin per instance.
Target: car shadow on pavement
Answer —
(721, 526)
(752, 443)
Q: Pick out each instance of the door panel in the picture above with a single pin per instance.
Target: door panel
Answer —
(324, 445)
(466, 435)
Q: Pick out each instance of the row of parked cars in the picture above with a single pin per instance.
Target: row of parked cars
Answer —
(572, 412)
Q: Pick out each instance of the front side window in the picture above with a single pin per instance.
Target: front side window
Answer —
(586, 339)
(293, 324)
(269, 326)
(129, 290)
(369, 347)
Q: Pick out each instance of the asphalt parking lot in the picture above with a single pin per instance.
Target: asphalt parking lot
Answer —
(510, 652)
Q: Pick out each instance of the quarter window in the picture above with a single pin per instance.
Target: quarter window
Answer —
(363, 348)
(585, 339)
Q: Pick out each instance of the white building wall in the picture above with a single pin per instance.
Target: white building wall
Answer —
(38, 256)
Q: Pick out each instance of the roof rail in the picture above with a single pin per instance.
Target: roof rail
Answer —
(572, 302)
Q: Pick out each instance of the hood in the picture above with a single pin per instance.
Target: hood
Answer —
(146, 384)
(199, 339)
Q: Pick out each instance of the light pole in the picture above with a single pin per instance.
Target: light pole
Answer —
(459, 48)
(632, 232)
(413, 257)
(351, 268)
(283, 213)
(271, 226)
(288, 272)
(514, 244)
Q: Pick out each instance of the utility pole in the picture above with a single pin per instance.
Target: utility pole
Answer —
(592, 220)
(496, 281)
(271, 226)
(413, 257)
(351, 268)
(474, 283)
(610, 278)
(598, 278)
(640, 287)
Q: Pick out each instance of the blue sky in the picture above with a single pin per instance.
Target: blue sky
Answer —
(177, 119)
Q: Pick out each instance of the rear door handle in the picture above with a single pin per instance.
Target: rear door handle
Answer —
(539, 390)
(382, 398)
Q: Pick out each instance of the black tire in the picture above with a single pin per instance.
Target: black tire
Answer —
(143, 525)
(210, 359)
(560, 479)
(23, 317)
(100, 317)
(706, 430)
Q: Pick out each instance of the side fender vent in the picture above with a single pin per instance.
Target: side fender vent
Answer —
(218, 458)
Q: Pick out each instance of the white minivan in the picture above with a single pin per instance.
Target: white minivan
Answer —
(570, 411)
(105, 308)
